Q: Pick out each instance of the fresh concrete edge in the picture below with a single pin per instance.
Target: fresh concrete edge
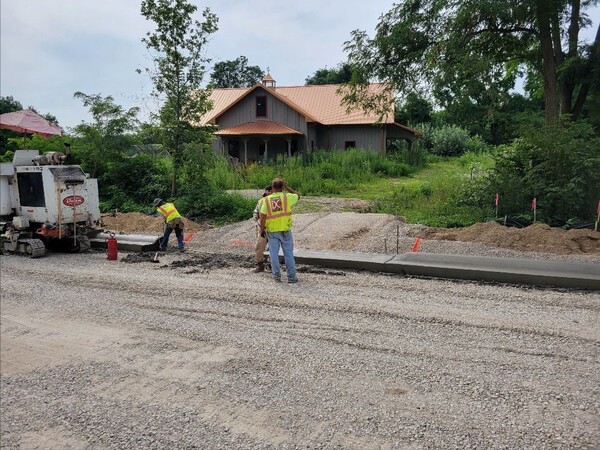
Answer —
(478, 268)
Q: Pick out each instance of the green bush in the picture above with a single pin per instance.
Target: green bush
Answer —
(556, 164)
(130, 184)
(450, 141)
(218, 207)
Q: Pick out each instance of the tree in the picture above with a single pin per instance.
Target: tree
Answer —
(341, 74)
(9, 104)
(414, 110)
(477, 48)
(235, 74)
(177, 45)
(105, 138)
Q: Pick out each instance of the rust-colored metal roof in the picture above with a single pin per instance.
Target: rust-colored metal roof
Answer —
(263, 127)
(221, 99)
(318, 103)
(325, 104)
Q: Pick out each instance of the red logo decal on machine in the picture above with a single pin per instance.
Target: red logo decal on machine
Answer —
(73, 200)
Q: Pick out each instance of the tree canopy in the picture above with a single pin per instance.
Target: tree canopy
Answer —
(106, 137)
(178, 45)
(235, 74)
(476, 49)
(338, 75)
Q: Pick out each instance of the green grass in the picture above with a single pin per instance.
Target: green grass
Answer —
(430, 195)
(427, 195)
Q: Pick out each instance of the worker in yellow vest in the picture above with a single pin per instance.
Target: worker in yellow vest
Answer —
(173, 221)
(276, 224)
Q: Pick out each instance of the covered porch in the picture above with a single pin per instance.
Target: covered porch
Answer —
(259, 141)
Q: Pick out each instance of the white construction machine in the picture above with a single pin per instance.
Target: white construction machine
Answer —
(47, 204)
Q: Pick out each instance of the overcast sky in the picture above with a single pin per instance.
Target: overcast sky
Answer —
(50, 49)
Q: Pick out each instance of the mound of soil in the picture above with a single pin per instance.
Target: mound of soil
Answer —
(350, 231)
(142, 223)
(534, 238)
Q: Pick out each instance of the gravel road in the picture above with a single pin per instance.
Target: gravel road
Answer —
(99, 354)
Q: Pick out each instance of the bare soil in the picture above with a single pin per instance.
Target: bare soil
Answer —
(142, 223)
(355, 228)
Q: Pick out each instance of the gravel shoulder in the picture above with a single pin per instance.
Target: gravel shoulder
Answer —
(199, 352)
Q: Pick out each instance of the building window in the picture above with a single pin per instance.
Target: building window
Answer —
(349, 144)
(261, 106)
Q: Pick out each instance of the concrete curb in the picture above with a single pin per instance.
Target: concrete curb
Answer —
(479, 268)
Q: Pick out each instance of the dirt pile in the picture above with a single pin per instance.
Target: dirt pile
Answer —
(348, 231)
(534, 238)
(142, 223)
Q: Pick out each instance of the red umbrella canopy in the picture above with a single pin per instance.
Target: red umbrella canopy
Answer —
(26, 121)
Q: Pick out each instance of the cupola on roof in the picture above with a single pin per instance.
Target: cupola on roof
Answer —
(268, 81)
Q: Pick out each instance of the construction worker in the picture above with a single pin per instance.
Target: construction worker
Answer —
(276, 224)
(173, 221)
(261, 241)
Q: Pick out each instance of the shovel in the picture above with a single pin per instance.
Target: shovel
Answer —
(155, 259)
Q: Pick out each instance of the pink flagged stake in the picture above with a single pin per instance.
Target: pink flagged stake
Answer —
(497, 201)
(416, 245)
(188, 238)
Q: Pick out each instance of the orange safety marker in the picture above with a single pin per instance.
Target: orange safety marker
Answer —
(416, 245)
(243, 243)
(188, 237)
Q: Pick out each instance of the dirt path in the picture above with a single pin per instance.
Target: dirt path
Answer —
(105, 354)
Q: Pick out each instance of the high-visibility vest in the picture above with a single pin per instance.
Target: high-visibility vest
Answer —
(169, 211)
(278, 209)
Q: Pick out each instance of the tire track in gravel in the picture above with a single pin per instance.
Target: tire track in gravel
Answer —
(232, 296)
(311, 327)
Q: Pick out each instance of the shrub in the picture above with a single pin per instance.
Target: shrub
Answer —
(450, 141)
(557, 164)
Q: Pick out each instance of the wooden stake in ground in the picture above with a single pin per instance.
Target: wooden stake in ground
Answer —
(598, 216)
(534, 207)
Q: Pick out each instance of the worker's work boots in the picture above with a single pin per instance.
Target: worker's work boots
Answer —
(260, 267)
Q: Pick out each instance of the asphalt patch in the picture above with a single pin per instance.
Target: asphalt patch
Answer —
(319, 271)
(204, 262)
(132, 258)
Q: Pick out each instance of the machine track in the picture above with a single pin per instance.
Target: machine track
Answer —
(83, 244)
(35, 248)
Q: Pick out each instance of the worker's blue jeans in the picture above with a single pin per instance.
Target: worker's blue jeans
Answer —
(165, 239)
(284, 240)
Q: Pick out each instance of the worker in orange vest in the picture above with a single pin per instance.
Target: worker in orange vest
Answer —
(173, 221)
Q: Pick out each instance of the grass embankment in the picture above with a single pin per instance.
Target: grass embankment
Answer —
(428, 194)
(431, 196)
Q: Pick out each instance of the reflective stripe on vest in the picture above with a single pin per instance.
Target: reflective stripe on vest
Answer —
(169, 211)
(284, 212)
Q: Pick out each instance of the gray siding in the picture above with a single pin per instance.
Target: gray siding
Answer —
(277, 111)
(366, 137)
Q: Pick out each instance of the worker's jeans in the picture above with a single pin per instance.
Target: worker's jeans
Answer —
(284, 240)
(165, 239)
